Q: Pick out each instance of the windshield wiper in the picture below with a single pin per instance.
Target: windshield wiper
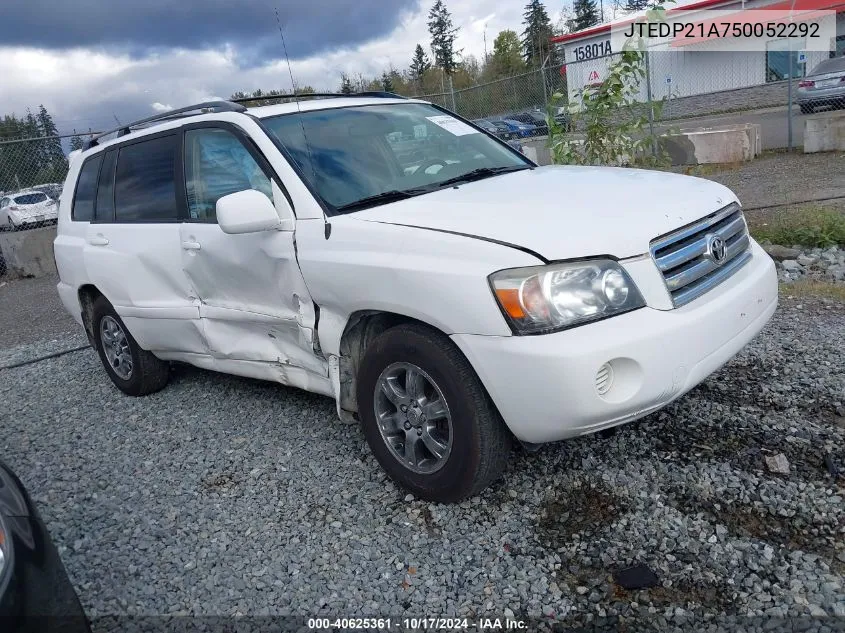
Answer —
(381, 198)
(478, 174)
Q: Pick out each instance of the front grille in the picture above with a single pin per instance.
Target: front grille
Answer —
(686, 261)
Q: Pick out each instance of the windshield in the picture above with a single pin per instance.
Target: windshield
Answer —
(30, 198)
(387, 151)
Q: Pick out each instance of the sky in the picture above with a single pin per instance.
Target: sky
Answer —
(94, 63)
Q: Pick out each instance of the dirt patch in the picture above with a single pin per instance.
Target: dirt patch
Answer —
(584, 506)
(797, 532)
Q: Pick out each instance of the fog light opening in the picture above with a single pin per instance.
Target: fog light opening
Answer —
(604, 379)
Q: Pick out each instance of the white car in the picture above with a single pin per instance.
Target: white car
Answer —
(27, 209)
(451, 297)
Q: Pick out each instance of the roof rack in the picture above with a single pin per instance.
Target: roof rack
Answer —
(232, 105)
(319, 95)
(199, 108)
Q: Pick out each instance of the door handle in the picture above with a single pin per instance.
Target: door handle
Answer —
(191, 246)
(98, 240)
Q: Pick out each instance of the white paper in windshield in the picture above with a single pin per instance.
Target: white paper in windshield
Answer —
(452, 125)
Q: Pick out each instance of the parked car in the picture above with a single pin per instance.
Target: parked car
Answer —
(535, 118)
(52, 189)
(824, 86)
(27, 209)
(497, 128)
(452, 300)
(519, 129)
(36, 595)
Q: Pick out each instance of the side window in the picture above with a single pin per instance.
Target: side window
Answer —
(86, 188)
(105, 189)
(4, 203)
(144, 183)
(217, 164)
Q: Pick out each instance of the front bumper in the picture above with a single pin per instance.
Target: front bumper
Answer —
(545, 386)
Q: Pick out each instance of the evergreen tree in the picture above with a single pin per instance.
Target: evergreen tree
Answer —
(586, 14)
(536, 38)
(54, 155)
(75, 142)
(443, 35)
(636, 5)
(507, 54)
(346, 84)
(387, 82)
(419, 64)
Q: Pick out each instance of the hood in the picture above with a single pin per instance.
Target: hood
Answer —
(562, 212)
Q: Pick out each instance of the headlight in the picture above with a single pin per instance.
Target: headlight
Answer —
(543, 299)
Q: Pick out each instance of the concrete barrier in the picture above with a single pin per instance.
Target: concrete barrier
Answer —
(725, 144)
(29, 253)
(824, 132)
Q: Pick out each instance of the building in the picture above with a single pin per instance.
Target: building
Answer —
(685, 69)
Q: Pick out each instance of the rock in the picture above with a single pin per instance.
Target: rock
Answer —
(806, 260)
(777, 464)
(791, 265)
(780, 253)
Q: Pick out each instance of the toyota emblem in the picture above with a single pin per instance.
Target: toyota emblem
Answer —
(717, 249)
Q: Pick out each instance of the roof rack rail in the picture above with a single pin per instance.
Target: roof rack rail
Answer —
(199, 108)
(319, 95)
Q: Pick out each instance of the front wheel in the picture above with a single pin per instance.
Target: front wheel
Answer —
(806, 108)
(11, 226)
(427, 417)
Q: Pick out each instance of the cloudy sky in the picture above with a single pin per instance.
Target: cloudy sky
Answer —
(89, 61)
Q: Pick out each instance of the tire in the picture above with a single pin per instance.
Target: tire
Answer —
(147, 374)
(480, 443)
(11, 226)
(806, 108)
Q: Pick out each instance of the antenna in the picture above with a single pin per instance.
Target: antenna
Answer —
(327, 228)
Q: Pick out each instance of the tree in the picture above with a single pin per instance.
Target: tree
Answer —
(636, 5)
(419, 64)
(586, 14)
(507, 54)
(346, 84)
(387, 82)
(443, 36)
(75, 141)
(536, 38)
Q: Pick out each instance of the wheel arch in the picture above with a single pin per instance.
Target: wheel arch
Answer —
(362, 327)
(88, 294)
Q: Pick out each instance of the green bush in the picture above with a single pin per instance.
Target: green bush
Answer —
(810, 226)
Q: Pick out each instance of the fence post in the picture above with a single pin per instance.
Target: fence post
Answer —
(452, 92)
(650, 105)
(545, 88)
(789, 101)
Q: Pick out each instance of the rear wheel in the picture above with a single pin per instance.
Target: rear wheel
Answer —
(426, 415)
(135, 371)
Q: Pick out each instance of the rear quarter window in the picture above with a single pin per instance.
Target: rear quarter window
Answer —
(86, 190)
(145, 181)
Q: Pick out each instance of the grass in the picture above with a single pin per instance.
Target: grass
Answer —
(813, 288)
(808, 226)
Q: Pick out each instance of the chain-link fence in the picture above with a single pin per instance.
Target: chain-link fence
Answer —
(32, 173)
(696, 88)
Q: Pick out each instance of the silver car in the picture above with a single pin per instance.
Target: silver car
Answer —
(824, 86)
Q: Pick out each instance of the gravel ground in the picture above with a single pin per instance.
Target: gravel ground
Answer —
(30, 311)
(780, 178)
(222, 495)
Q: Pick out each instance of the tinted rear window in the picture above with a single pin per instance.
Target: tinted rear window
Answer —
(829, 66)
(105, 190)
(145, 186)
(86, 189)
(30, 198)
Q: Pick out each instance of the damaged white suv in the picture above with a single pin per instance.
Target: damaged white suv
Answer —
(444, 290)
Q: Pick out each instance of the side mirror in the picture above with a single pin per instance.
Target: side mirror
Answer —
(247, 211)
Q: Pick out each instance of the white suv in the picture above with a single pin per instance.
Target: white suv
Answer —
(444, 290)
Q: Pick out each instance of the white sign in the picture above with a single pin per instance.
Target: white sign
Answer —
(452, 125)
(668, 79)
(802, 57)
